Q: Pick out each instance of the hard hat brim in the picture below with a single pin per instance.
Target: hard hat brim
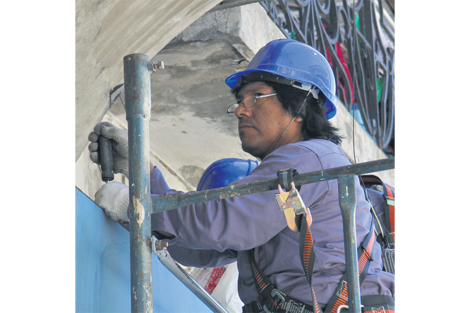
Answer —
(236, 79)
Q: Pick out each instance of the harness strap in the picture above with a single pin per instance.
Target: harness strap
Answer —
(340, 296)
(290, 305)
(390, 213)
(388, 238)
(307, 256)
(272, 299)
(262, 281)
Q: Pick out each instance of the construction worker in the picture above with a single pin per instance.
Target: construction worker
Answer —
(284, 100)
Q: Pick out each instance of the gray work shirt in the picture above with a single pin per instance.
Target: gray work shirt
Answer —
(216, 233)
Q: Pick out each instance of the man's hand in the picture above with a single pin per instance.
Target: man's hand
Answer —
(119, 144)
(113, 198)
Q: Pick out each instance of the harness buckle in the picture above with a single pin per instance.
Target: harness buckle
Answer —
(292, 205)
(275, 299)
(344, 306)
(364, 250)
(369, 256)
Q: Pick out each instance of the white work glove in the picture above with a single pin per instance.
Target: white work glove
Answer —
(119, 144)
(113, 198)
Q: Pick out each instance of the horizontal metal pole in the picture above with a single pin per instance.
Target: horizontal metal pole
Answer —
(170, 202)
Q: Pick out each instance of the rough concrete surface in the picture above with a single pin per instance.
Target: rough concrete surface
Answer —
(189, 127)
(106, 31)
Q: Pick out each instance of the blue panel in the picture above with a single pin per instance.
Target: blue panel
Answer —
(102, 268)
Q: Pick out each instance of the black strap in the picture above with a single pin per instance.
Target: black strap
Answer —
(387, 236)
(265, 76)
(289, 305)
(262, 282)
(307, 256)
(286, 177)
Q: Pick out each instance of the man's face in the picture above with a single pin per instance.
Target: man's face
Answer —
(261, 126)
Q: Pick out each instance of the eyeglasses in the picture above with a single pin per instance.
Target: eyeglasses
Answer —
(248, 102)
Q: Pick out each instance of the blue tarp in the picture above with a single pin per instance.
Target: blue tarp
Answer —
(103, 273)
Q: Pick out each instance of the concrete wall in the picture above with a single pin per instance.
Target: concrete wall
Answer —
(189, 128)
(358, 144)
(106, 31)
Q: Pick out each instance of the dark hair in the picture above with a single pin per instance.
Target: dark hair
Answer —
(315, 124)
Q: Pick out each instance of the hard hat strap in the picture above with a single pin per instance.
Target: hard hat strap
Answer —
(295, 116)
(265, 76)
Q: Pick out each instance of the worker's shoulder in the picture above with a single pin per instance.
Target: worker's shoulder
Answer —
(313, 154)
(321, 147)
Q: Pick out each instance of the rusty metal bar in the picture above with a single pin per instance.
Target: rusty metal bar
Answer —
(137, 99)
(175, 201)
(347, 202)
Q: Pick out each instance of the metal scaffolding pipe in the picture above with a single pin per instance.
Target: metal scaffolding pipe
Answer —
(347, 202)
(137, 98)
(170, 202)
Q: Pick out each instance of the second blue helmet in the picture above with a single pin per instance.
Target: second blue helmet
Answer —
(225, 171)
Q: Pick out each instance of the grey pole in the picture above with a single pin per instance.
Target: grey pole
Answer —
(347, 202)
(137, 98)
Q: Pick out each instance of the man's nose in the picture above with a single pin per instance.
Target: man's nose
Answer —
(241, 110)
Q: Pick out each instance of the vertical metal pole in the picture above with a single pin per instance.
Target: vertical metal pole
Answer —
(137, 94)
(347, 201)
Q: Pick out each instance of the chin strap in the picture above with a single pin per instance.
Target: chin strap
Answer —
(314, 92)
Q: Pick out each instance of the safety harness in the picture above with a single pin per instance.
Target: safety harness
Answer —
(299, 219)
(386, 237)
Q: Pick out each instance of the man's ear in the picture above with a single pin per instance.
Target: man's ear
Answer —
(298, 119)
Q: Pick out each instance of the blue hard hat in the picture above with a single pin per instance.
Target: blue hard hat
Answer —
(293, 63)
(225, 171)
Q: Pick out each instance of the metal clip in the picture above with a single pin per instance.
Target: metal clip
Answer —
(158, 245)
(292, 205)
(344, 306)
(276, 299)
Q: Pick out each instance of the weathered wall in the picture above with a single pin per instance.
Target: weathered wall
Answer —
(106, 31)
(357, 143)
(189, 127)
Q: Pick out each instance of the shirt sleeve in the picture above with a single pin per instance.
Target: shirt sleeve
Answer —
(158, 183)
(201, 258)
(243, 222)
(185, 256)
